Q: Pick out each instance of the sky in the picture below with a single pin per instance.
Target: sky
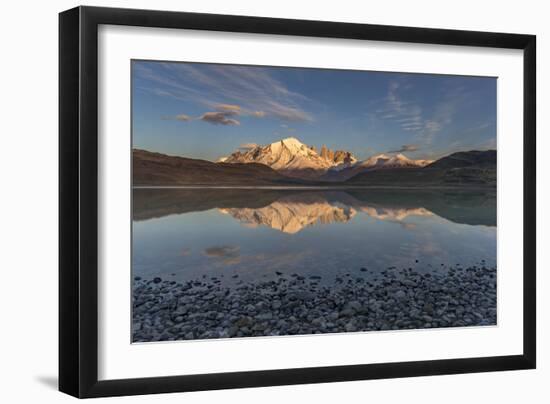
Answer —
(208, 111)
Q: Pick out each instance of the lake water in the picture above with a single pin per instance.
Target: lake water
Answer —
(239, 235)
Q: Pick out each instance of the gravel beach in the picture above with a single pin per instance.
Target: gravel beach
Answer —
(394, 299)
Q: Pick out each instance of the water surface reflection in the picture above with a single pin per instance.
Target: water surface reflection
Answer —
(184, 234)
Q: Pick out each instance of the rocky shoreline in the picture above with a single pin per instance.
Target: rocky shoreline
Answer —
(294, 305)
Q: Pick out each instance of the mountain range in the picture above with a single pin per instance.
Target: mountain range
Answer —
(378, 162)
(296, 159)
(291, 162)
(293, 158)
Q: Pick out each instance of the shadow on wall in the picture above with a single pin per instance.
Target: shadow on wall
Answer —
(48, 381)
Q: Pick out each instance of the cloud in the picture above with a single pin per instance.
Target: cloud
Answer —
(224, 115)
(407, 115)
(183, 117)
(253, 90)
(219, 118)
(424, 125)
(238, 110)
(229, 108)
(405, 148)
(286, 113)
(222, 251)
(226, 254)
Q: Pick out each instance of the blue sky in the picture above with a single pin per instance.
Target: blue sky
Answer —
(210, 110)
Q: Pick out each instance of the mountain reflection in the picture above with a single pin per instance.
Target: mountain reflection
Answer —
(394, 214)
(291, 211)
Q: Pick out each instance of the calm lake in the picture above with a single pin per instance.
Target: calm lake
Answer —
(240, 235)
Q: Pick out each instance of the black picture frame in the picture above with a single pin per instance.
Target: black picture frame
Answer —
(78, 203)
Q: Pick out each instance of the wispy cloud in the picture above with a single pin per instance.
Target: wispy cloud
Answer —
(225, 114)
(219, 118)
(405, 148)
(222, 251)
(221, 87)
(183, 117)
(238, 110)
(228, 107)
(441, 118)
(227, 254)
(411, 117)
(406, 114)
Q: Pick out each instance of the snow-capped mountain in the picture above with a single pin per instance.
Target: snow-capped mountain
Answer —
(383, 161)
(293, 158)
(296, 159)
(378, 162)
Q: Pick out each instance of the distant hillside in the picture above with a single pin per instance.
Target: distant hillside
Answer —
(465, 206)
(474, 158)
(473, 168)
(149, 203)
(155, 169)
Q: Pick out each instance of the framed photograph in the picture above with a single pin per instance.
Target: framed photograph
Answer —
(251, 201)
